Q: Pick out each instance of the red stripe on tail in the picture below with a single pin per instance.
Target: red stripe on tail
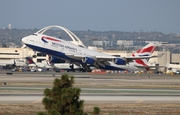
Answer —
(148, 49)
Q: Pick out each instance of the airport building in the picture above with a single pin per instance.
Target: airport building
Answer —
(20, 53)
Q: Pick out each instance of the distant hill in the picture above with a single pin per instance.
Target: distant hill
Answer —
(12, 37)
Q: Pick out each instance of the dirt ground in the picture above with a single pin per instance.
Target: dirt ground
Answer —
(106, 109)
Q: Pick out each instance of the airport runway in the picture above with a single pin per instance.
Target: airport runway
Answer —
(103, 90)
(95, 98)
(79, 76)
(95, 95)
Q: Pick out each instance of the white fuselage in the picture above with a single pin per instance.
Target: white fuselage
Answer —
(61, 46)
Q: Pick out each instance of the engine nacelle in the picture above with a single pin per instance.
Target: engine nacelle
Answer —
(119, 61)
(53, 60)
(88, 60)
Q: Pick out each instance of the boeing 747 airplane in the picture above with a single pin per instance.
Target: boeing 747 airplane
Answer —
(79, 55)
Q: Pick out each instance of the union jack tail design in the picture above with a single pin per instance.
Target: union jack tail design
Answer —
(145, 51)
(29, 60)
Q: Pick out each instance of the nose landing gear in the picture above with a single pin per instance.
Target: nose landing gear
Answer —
(34, 56)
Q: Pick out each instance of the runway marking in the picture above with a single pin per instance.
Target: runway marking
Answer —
(37, 101)
(139, 101)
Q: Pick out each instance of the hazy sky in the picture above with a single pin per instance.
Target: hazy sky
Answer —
(97, 15)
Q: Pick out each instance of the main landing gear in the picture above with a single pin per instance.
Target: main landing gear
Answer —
(86, 68)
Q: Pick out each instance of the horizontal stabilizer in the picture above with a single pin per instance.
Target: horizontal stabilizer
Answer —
(130, 59)
(160, 55)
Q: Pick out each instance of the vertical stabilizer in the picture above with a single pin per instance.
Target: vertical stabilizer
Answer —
(30, 61)
(145, 51)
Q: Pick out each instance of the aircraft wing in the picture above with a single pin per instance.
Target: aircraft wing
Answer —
(100, 60)
(103, 60)
(96, 57)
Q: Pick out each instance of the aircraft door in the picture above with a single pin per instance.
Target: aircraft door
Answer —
(79, 51)
(45, 45)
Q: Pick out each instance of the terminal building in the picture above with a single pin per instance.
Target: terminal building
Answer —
(20, 53)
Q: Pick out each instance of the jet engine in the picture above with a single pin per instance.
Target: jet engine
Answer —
(88, 60)
(119, 61)
(53, 59)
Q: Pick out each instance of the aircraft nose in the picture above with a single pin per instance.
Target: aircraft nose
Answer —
(24, 40)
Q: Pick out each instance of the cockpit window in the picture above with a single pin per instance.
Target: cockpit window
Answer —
(81, 46)
(34, 34)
